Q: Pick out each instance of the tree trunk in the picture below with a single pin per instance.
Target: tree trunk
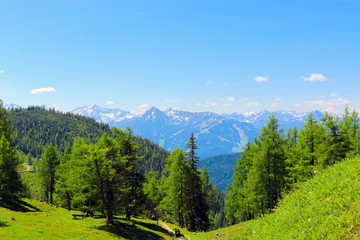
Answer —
(68, 200)
(109, 217)
(47, 195)
(128, 214)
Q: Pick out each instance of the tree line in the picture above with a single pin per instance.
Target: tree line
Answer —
(35, 127)
(276, 161)
(106, 173)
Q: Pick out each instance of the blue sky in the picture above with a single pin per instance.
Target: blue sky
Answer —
(219, 56)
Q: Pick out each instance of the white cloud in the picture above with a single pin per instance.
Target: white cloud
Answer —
(296, 105)
(253, 104)
(110, 103)
(330, 105)
(43, 90)
(278, 99)
(207, 83)
(227, 105)
(260, 79)
(315, 77)
(333, 95)
(275, 104)
(230, 99)
(142, 106)
(176, 101)
(208, 104)
(2, 71)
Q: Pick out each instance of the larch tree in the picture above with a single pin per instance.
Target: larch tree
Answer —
(62, 188)
(10, 182)
(47, 169)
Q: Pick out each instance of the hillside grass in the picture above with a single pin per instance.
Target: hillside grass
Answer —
(39, 220)
(325, 207)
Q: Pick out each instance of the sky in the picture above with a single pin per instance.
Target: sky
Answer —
(200, 55)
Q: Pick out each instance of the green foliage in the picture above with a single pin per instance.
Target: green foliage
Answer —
(324, 207)
(220, 168)
(36, 127)
(10, 182)
(274, 163)
(186, 195)
(47, 169)
(174, 200)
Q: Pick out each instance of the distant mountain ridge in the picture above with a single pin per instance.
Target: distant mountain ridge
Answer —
(216, 134)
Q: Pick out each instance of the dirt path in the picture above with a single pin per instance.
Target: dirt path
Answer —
(164, 225)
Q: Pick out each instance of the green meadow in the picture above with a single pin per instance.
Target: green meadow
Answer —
(39, 220)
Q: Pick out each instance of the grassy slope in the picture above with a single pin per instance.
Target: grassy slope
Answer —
(38, 220)
(325, 207)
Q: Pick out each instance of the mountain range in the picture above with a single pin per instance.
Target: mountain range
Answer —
(216, 133)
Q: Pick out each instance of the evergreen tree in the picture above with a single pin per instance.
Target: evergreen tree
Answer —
(304, 157)
(237, 205)
(153, 193)
(10, 182)
(191, 154)
(62, 180)
(350, 127)
(4, 124)
(266, 177)
(196, 210)
(178, 171)
(50, 160)
(133, 178)
(336, 142)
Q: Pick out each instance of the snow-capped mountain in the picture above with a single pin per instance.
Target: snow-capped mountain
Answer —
(172, 128)
(12, 106)
(216, 134)
(286, 119)
(105, 115)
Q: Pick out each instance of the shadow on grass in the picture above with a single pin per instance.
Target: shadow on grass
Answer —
(3, 224)
(151, 226)
(128, 231)
(20, 206)
(99, 216)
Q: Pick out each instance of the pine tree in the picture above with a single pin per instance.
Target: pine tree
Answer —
(336, 143)
(350, 127)
(133, 178)
(237, 205)
(265, 179)
(49, 163)
(4, 124)
(10, 182)
(191, 154)
(178, 171)
(196, 211)
(62, 188)
(153, 193)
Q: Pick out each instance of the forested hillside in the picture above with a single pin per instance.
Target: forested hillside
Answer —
(276, 162)
(35, 127)
(220, 168)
